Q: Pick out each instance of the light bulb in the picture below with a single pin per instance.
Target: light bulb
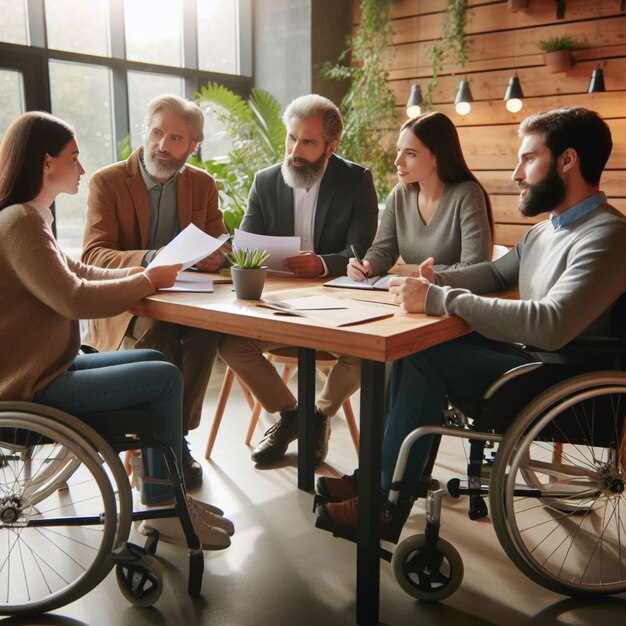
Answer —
(413, 111)
(514, 105)
(462, 108)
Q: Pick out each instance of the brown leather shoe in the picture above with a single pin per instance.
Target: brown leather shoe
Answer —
(342, 518)
(338, 489)
(277, 439)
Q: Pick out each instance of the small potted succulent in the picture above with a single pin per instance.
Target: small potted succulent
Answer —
(248, 272)
(558, 53)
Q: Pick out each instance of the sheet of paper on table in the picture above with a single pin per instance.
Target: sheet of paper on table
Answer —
(192, 281)
(331, 311)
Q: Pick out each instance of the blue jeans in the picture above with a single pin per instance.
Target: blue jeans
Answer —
(108, 381)
(419, 388)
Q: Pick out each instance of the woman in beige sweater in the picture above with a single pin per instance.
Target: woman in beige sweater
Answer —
(43, 294)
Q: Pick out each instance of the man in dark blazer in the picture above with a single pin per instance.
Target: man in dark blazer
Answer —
(331, 204)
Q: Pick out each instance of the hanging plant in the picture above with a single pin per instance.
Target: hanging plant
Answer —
(369, 107)
(451, 47)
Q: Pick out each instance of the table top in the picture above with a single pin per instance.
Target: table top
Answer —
(385, 339)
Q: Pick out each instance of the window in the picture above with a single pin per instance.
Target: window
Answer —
(97, 63)
(81, 94)
(11, 98)
(153, 31)
(13, 22)
(218, 39)
(78, 26)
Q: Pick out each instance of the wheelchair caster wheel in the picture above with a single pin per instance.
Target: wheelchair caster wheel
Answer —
(427, 574)
(477, 508)
(140, 580)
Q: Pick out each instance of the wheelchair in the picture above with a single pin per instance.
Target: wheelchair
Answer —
(66, 509)
(555, 483)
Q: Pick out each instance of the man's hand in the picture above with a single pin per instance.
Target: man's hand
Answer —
(306, 265)
(408, 269)
(163, 276)
(409, 292)
(426, 269)
(358, 271)
(211, 263)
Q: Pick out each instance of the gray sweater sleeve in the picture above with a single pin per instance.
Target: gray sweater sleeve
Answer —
(568, 281)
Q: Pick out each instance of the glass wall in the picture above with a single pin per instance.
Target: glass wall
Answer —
(97, 63)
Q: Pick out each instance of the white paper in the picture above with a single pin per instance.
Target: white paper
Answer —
(191, 281)
(279, 248)
(188, 247)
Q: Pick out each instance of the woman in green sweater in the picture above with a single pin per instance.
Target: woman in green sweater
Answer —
(44, 293)
(438, 208)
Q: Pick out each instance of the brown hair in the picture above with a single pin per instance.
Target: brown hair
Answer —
(437, 132)
(23, 151)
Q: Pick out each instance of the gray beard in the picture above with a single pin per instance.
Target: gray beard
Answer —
(303, 177)
(162, 170)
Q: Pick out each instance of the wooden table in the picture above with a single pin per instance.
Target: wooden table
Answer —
(375, 342)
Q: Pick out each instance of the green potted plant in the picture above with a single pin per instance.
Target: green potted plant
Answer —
(256, 129)
(558, 52)
(248, 272)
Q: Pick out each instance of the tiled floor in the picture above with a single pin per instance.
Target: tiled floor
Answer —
(281, 571)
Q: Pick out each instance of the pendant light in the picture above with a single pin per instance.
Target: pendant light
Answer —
(513, 95)
(463, 99)
(596, 84)
(413, 105)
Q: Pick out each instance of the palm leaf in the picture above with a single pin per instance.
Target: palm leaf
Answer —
(235, 109)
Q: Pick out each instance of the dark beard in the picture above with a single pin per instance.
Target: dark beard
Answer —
(543, 197)
(305, 176)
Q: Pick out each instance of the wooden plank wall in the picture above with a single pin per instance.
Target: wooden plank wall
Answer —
(501, 43)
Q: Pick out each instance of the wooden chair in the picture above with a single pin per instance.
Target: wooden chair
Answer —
(288, 358)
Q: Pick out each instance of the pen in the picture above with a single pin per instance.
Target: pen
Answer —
(358, 258)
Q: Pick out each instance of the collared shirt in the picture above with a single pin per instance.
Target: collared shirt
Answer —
(304, 207)
(580, 209)
(304, 204)
(163, 223)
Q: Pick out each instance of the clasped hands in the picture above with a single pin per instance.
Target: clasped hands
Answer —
(409, 287)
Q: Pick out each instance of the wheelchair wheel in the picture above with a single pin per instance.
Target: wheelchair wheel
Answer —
(564, 527)
(427, 575)
(140, 578)
(54, 544)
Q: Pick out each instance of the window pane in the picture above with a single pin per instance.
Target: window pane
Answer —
(142, 87)
(218, 36)
(11, 98)
(81, 95)
(78, 26)
(13, 22)
(153, 31)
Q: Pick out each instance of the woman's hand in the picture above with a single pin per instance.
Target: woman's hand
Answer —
(358, 271)
(163, 276)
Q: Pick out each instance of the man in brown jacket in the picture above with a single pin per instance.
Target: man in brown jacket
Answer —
(134, 208)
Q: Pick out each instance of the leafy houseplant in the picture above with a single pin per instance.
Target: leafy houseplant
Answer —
(368, 109)
(257, 132)
(247, 259)
(248, 272)
(558, 52)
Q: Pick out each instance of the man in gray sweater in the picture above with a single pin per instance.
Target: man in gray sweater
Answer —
(569, 269)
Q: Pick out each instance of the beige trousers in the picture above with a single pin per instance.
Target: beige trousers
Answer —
(246, 358)
(191, 349)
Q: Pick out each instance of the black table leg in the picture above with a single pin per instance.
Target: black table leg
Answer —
(368, 542)
(306, 421)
